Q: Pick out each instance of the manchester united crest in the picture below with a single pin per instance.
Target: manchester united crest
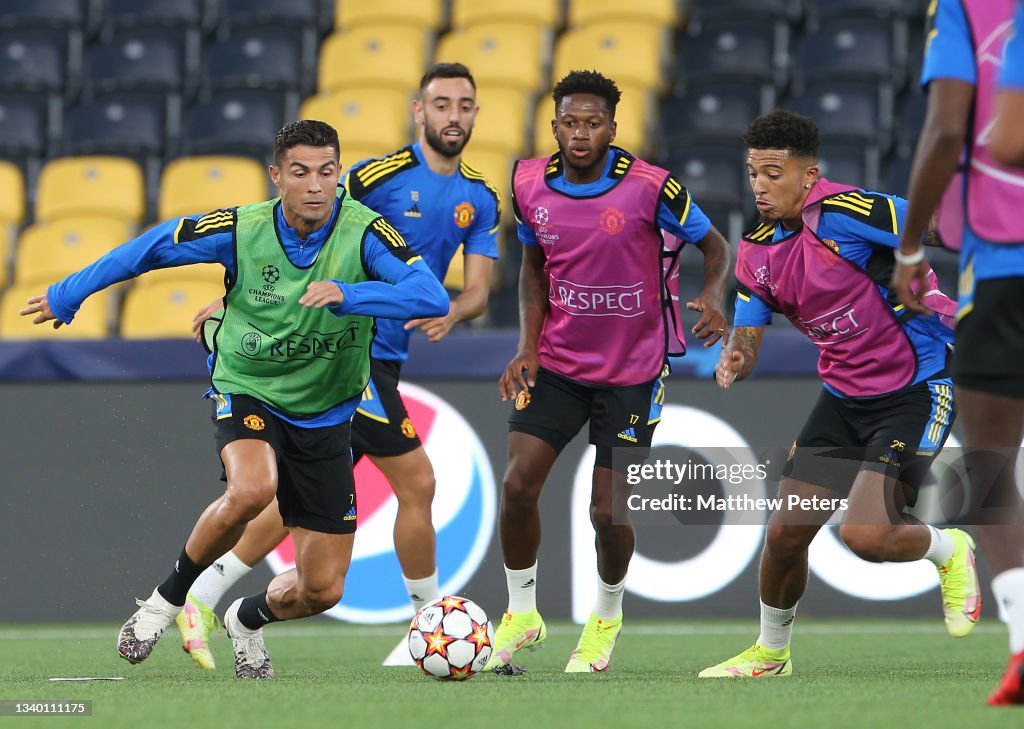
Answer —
(253, 422)
(464, 214)
(612, 220)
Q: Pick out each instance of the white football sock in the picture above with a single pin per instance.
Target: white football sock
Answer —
(1009, 589)
(423, 591)
(522, 589)
(941, 547)
(218, 578)
(609, 599)
(776, 626)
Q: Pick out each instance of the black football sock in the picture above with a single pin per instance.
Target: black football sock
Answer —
(254, 612)
(176, 586)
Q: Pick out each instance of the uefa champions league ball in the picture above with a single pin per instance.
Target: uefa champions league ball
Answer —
(450, 639)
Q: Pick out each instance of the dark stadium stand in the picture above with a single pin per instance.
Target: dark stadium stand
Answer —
(255, 58)
(150, 60)
(711, 173)
(761, 10)
(195, 15)
(851, 164)
(73, 15)
(846, 111)
(730, 50)
(300, 14)
(24, 126)
(153, 82)
(908, 122)
(712, 111)
(886, 9)
(844, 48)
(38, 61)
(239, 121)
(125, 124)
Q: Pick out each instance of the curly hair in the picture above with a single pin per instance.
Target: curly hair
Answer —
(588, 82)
(782, 129)
(305, 131)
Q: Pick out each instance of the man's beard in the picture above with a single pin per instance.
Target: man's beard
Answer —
(437, 143)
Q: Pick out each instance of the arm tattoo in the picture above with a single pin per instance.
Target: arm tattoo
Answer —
(747, 340)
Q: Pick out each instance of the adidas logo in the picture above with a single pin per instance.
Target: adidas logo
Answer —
(788, 622)
(529, 583)
(415, 597)
(351, 515)
(219, 567)
(628, 434)
(176, 570)
(413, 212)
(265, 618)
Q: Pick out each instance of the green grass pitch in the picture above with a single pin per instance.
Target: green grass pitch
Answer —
(872, 673)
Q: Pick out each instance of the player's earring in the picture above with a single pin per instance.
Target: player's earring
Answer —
(808, 186)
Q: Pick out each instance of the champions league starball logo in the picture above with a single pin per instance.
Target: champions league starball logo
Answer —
(464, 512)
(271, 274)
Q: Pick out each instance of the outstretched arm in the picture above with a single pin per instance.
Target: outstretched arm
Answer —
(740, 356)
(40, 305)
(172, 243)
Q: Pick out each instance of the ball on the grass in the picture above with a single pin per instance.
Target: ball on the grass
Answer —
(450, 639)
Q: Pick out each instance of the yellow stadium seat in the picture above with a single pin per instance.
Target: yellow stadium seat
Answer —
(456, 276)
(630, 53)
(501, 123)
(90, 321)
(494, 53)
(544, 144)
(423, 14)
(47, 252)
(7, 238)
(111, 186)
(165, 309)
(12, 194)
(658, 12)
(197, 185)
(372, 56)
(496, 166)
(379, 119)
(455, 279)
(353, 153)
(634, 120)
(535, 12)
